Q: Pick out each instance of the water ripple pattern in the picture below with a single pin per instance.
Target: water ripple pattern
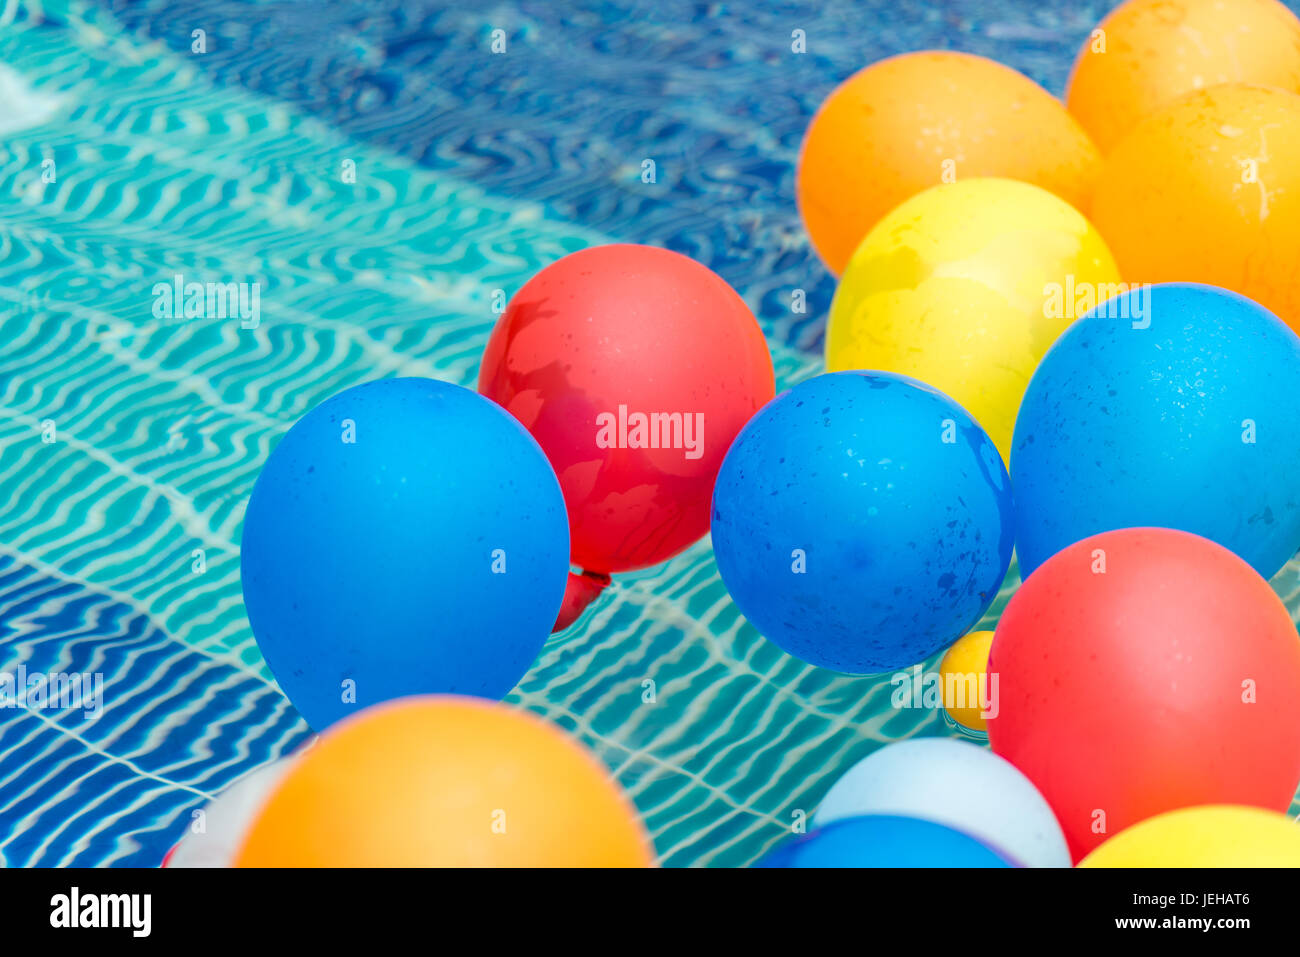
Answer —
(130, 439)
(586, 91)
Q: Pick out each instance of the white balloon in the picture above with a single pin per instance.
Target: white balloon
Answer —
(951, 782)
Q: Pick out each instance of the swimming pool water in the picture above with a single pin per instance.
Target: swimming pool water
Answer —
(119, 539)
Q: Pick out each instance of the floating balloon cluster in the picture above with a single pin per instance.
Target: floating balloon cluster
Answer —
(1060, 330)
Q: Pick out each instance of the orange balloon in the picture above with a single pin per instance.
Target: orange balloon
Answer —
(446, 781)
(914, 121)
(1148, 53)
(1208, 190)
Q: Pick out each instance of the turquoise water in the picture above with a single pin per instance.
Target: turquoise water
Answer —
(160, 426)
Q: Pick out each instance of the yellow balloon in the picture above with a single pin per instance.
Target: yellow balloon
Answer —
(962, 671)
(1214, 835)
(965, 286)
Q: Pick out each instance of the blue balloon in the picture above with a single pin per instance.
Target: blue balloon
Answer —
(862, 521)
(1178, 411)
(882, 840)
(408, 536)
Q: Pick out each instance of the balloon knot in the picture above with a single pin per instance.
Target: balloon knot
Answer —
(579, 592)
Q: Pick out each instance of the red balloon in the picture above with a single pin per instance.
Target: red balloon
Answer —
(634, 368)
(1143, 670)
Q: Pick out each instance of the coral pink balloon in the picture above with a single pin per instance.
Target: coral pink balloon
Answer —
(634, 367)
(1143, 670)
